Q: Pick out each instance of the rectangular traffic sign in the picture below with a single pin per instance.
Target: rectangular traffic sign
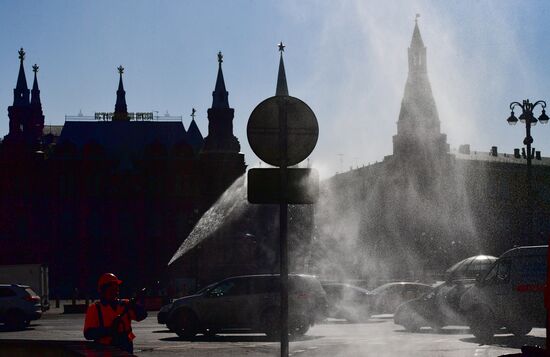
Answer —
(264, 186)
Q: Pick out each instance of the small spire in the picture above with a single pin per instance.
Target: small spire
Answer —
(35, 92)
(121, 109)
(21, 90)
(194, 137)
(416, 41)
(220, 95)
(193, 111)
(120, 72)
(282, 88)
(35, 69)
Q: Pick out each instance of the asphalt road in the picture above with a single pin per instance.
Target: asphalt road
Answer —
(378, 337)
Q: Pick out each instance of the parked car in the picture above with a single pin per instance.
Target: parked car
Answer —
(510, 295)
(436, 309)
(440, 307)
(247, 304)
(19, 305)
(34, 276)
(347, 301)
(386, 298)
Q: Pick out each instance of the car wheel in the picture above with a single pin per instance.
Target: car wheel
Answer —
(15, 319)
(482, 323)
(271, 324)
(171, 326)
(411, 321)
(411, 325)
(298, 326)
(186, 324)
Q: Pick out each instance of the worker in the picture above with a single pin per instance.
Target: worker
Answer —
(108, 321)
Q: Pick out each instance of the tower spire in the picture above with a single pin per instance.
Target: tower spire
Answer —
(121, 109)
(220, 119)
(418, 127)
(36, 116)
(416, 41)
(21, 91)
(35, 93)
(282, 88)
(220, 94)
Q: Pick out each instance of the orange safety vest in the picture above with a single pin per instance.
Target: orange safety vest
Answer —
(107, 314)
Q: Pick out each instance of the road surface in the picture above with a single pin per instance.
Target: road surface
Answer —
(378, 337)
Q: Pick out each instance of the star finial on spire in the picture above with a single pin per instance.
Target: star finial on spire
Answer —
(220, 57)
(193, 111)
(35, 68)
(21, 54)
(120, 69)
(282, 88)
(416, 18)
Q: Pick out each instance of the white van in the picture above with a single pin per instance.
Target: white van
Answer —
(510, 295)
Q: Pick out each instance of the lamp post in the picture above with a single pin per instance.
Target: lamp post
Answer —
(529, 120)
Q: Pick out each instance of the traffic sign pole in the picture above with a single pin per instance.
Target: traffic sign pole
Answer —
(283, 222)
(282, 131)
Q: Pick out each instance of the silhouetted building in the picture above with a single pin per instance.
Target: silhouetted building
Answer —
(245, 241)
(118, 194)
(425, 207)
(26, 120)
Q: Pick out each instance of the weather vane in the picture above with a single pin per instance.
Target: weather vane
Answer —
(281, 47)
(193, 111)
(120, 69)
(21, 54)
(35, 68)
(416, 18)
(220, 57)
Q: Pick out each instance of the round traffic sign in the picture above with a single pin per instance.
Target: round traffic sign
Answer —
(264, 130)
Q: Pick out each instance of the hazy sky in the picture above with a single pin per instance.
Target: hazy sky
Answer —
(346, 59)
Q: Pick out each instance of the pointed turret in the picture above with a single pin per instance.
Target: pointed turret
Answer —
(18, 113)
(418, 127)
(121, 109)
(36, 117)
(219, 159)
(194, 136)
(35, 93)
(282, 88)
(21, 91)
(220, 95)
(417, 51)
(416, 41)
(220, 119)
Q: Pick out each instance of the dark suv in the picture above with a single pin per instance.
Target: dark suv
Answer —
(246, 304)
(19, 305)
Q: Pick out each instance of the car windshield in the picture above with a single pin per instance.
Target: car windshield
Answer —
(206, 288)
(384, 287)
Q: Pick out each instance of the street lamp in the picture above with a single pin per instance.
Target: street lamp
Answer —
(529, 120)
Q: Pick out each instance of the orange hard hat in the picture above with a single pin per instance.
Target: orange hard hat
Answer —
(108, 278)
